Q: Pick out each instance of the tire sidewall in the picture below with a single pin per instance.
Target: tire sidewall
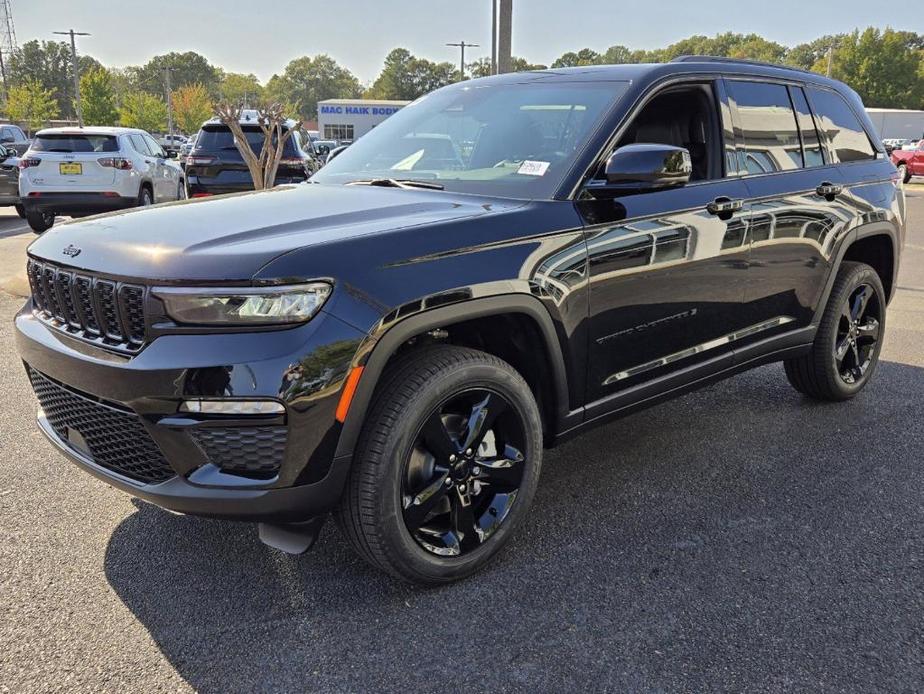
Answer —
(145, 194)
(860, 275)
(398, 541)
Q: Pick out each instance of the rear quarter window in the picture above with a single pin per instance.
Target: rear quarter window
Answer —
(75, 142)
(837, 120)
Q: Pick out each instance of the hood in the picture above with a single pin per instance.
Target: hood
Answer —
(229, 238)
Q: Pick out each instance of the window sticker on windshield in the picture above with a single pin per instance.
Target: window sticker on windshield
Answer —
(533, 168)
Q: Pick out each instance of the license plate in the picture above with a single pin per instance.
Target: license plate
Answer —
(70, 169)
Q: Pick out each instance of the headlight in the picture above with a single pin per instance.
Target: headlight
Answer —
(294, 303)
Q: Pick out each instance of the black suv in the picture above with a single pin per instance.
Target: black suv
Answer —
(215, 165)
(490, 271)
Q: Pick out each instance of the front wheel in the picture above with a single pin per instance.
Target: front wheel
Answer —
(846, 350)
(903, 173)
(40, 220)
(21, 211)
(446, 466)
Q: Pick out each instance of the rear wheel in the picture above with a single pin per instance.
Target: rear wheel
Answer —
(846, 350)
(21, 211)
(181, 191)
(145, 199)
(446, 466)
(40, 220)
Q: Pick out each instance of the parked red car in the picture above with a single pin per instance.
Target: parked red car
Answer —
(910, 162)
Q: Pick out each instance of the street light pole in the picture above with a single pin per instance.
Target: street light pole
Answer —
(72, 34)
(461, 45)
(167, 71)
(493, 37)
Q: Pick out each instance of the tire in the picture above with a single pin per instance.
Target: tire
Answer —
(40, 220)
(145, 199)
(181, 191)
(903, 173)
(416, 391)
(21, 211)
(820, 374)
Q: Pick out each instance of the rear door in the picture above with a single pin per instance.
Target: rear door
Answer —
(165, 176)
(71, 162)
(797, 214)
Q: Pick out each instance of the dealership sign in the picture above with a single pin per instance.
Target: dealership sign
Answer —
(361, 110)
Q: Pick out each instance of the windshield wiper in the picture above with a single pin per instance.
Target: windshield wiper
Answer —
(396, 183)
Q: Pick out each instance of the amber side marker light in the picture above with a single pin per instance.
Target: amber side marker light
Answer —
(349, 390)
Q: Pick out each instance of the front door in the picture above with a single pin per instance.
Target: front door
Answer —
(668, 275)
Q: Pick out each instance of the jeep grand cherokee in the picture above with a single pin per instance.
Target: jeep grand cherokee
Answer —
(499, 266)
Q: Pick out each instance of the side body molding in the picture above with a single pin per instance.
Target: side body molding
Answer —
(382, 349)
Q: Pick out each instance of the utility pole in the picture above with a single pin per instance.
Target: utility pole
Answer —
(462, 45)
(830, 58)
(493, 37)
(72, 34)
(167, 71)
(504, 36)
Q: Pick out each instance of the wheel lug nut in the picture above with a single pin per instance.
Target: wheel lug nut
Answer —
(449, 481)
(462, 488)
(468, 452)
(476, 470)
(452, 458)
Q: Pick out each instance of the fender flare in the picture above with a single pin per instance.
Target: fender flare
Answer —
(862, 232)
(386, 345)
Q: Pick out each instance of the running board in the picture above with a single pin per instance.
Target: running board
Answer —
(291, 538)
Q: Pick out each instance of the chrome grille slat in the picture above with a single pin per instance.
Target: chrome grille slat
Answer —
(103, 311)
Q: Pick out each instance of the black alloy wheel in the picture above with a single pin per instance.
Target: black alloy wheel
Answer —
(464, 473)
(858, 334)
(845, 351)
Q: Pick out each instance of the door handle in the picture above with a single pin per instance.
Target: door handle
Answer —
(723, 207)
(829, 190)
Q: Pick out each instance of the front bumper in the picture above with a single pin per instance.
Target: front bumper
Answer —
(72, 204)
(293, 366)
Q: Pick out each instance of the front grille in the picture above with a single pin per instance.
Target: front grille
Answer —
(102, 311)
(115, 436)
(250, 451)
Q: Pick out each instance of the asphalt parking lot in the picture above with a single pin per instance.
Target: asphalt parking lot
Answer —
(740, 538)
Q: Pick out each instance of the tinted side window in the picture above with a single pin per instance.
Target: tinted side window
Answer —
(811, 145)
(838, 121)
(768, 124)
(139, 145)
(155, 148)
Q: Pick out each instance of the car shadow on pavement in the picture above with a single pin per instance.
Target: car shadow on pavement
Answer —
(741, 534)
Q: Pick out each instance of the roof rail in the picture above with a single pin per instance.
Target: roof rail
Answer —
(741, 61)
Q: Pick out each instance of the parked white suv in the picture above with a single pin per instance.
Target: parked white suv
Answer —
(84, 171)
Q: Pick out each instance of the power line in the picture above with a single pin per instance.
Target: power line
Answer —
(462, 46)
(72, 34)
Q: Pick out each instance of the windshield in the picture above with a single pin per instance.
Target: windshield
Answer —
(505, 140)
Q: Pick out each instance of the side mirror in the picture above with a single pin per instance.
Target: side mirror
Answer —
(643, 167)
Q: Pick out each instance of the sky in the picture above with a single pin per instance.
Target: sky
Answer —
(247, 36)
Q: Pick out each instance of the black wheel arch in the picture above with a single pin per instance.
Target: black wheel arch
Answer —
(857, 246)
(377, 356)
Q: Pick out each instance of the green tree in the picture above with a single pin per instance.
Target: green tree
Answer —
(186, 68)
(884, 67)
(32, 104)
(49, 64)
(307, 80)
(585, 56)
(238, 88)
(407, 77)
(482, 66)
(192, 105)
(98, 98)
(143, 110)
